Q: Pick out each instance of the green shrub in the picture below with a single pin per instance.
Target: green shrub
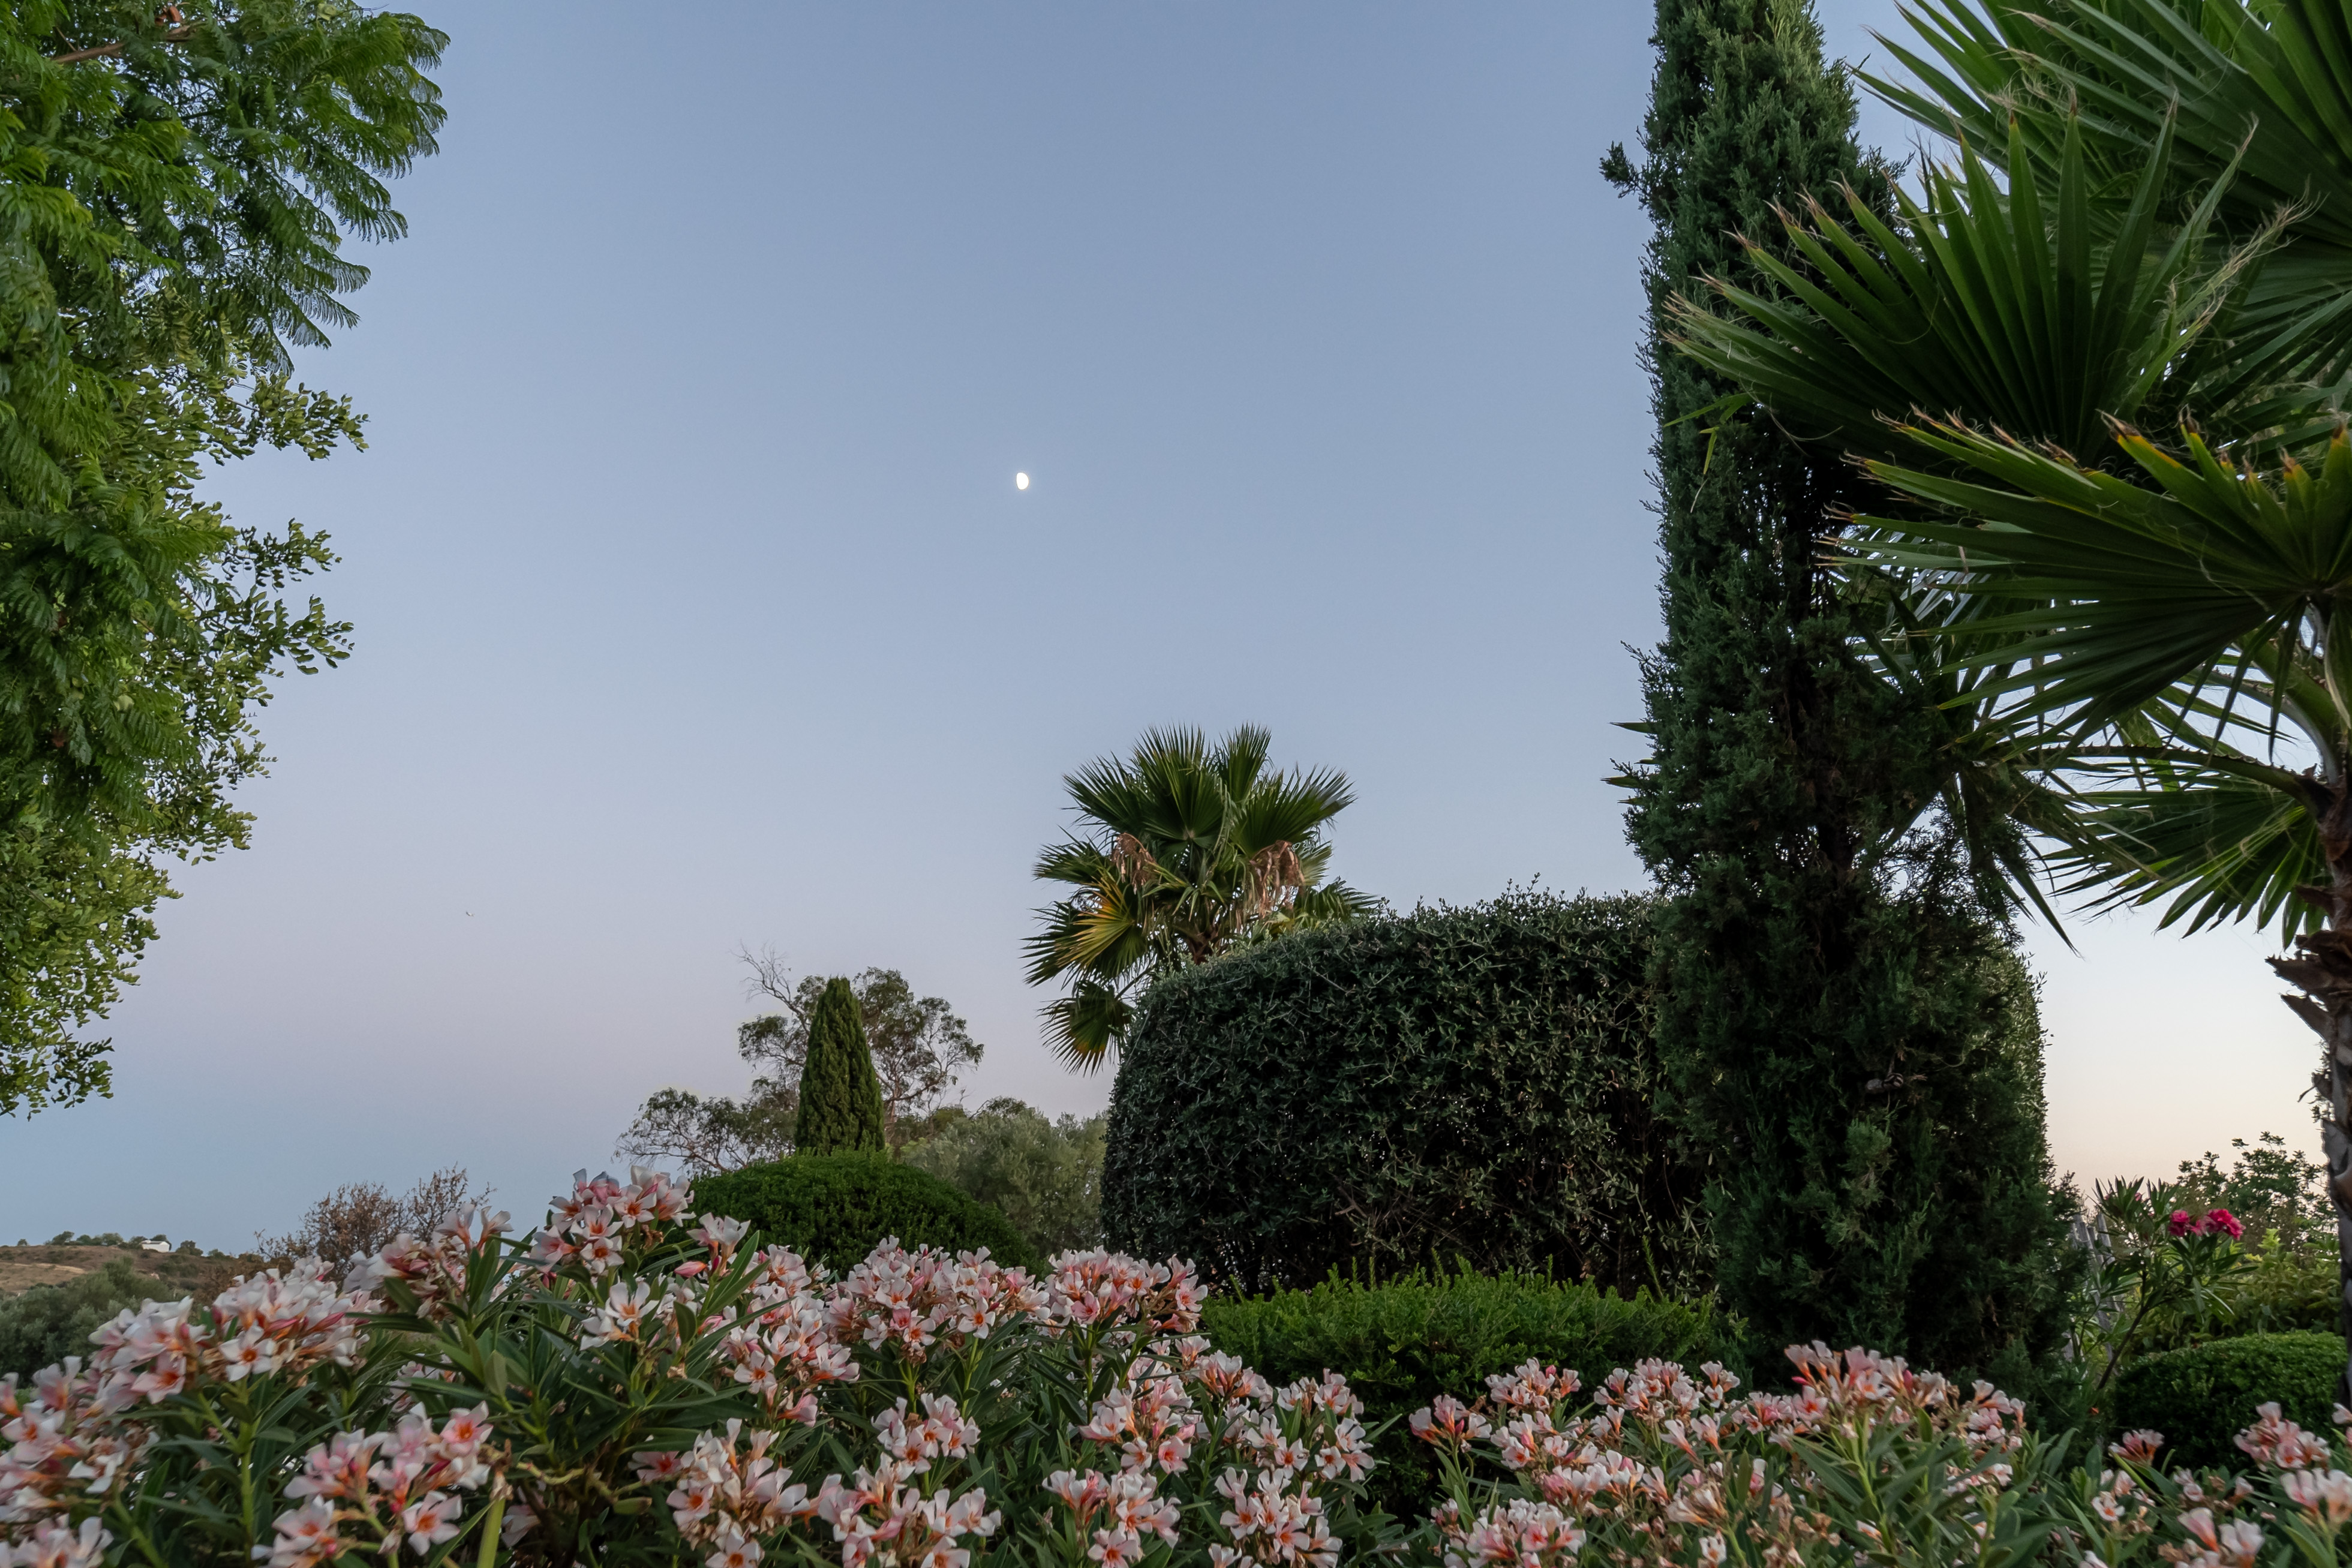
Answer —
(838, 1207)
(841, 1099)
(1401, 1342)
(47, 1324)
(1470, 1084)
(1045, 1176)
(2200, 1398)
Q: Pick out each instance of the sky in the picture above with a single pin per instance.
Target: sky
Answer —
(697, 609)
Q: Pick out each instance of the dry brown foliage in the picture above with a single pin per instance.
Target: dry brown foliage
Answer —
(363, 1216)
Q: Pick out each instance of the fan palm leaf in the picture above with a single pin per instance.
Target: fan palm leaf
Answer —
(1185, 851)
(2257, 97)
(1976, 304)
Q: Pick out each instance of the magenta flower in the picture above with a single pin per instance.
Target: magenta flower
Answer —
(2223, 1219)
(2182, 1223)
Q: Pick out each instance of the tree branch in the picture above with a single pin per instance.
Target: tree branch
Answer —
(176, 36)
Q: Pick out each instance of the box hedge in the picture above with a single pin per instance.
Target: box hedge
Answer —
(838, 1207)
(1471, 1085)
(2200, 1398)
(1401, 1342)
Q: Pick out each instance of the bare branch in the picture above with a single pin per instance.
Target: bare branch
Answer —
(100, 51)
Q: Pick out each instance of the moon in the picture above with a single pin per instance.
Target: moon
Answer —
(1020, 482)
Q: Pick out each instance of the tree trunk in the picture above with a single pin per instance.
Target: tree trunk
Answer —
(2322, 970)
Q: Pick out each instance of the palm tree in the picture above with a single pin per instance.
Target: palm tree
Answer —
(1183, 852)
(2150, 643)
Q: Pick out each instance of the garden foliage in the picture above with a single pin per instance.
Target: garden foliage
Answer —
(47, 1324)
(177, 186)
(1401, 1342)
(1044, 1175)
(2201, 1395)
(631, 1388)
(1470, 1084)
(840, 1097)
(1182, 850)
(1852, 1049)
(835, 1208)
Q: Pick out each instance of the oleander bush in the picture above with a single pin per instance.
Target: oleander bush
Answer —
(2202, 1395)
(835, 1208)
(1401, 1342)
(628, 1387)
(1470, 1085)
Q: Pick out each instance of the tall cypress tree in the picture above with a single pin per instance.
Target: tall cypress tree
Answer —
(1853, 1045)
(841, 1099)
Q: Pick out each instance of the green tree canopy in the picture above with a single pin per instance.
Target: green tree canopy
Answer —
(176, 193)
(2102, 396)
(1183, 851)
(840, 1100)
(1853, 1051)
(918, 1048)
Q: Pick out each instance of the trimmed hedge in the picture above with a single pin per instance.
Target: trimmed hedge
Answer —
(836, 1208)
(1402, 1342)
(1467, 1086)
(2200, 1398)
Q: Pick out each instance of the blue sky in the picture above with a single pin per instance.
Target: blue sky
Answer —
(697, 608)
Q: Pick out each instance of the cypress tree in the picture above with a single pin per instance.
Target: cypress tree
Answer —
(841, 1099)
(1850, 1043)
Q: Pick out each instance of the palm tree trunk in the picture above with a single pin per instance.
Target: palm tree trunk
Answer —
(2322, 970)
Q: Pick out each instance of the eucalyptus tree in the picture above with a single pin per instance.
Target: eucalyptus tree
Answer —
(1184, 850)
(2103, 394)
(176, 189)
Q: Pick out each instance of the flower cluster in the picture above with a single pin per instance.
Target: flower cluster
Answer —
(685, 1401)
(785, 1352)
(376, 1489)
(920, 1302)
(1097, 1289)
(725, 1493)
(275, 1321)
(63, 1446)
(877, 1514)
(1670, 1466)
(592, 1226)
(2276, 1443)
(1518, 1534)
(2214, 1222)
(432, 1272)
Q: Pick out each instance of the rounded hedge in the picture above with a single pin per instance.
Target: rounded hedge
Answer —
(836, 1208)
(2200, 1398)
(1402, 1342)
(1468, 1086)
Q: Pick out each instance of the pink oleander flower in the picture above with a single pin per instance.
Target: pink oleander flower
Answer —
(2278, 1443)
(2327, 1496)
(2216, 1220)
(2182, 1223)
(1448, 1422)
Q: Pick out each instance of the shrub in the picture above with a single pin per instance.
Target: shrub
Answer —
(47, 1323)
(1401, 1342)
(840, 1097)
(1045, 1176)
(1470, 1084)
(361, 1218)
(2197, 1397)
(835, 1208)
(629, 1387)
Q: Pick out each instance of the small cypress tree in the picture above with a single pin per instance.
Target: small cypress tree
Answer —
(841, 1099)
(1853, 1048)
